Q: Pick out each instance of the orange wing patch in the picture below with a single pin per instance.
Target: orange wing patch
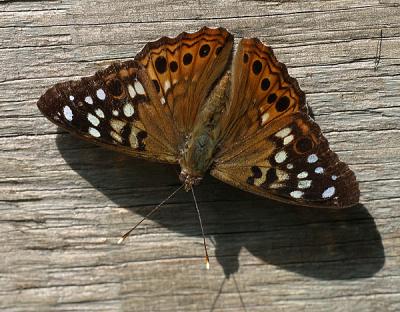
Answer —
(183, 70)
(262, 91)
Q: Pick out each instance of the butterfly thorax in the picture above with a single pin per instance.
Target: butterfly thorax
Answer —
(201, 145)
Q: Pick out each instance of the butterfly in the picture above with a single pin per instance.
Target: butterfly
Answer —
(187, 100)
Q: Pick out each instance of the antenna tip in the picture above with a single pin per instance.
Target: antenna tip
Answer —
(207, 264)
(121, 240)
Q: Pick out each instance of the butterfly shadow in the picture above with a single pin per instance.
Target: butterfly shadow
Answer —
(320, 243)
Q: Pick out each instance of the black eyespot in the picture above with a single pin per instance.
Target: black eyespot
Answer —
(256, 172)
(156, 85)
(304, 145)
(265, 84)
(173, 66)
(282, 104)
(125, 133)
(245, 58)
(187, 58)
(115, 87)
(204, 50)
(271, 176)
(142, 135)
(161, 64)
(218, 50)
(271, 98)
(257, 67)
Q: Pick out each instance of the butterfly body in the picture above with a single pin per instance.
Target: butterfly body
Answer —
(177, 102)
(201, 146)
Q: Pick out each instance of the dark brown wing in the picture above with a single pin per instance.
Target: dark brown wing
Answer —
(269, 144)
(289, 161)
(117, 108)
(145, 107)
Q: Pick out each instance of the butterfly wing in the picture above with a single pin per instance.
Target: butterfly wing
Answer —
(262, 91)
(146, 107)
(289, 161)
(184, 69)
(269, 144)
(117, 108)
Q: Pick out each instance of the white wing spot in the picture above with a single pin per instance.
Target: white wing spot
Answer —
(131, 90)
(302, 175)
(283, 133)
(303, 184)
(94, 132)
(116, 136)
(276, 185)
(117, 125)
(319, 170)
(282, 175)
(139, 87)
(71, 98)
(99, 112)
(296, 194)
(167, 85)
(93, 119)
(68, 113)
(312, 158)
(162, 100)
(334, 177)
(288, 139)
(133, 141)
(115, 112)
(89, 100)
(264, 118)
(280, 157)
(261, 179)
(289, 166)
(100, 94)
(328, 192)
(128, 110)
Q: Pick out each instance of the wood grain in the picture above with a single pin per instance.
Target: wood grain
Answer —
(64, 203)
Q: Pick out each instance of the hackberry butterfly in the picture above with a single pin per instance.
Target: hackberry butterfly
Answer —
(176, 102)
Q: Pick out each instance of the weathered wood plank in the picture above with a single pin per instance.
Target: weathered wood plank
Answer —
(64, 203)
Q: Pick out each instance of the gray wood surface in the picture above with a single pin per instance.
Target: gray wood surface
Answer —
(64, 203)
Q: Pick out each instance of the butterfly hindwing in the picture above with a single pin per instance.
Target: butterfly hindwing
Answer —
(114, 108)
(289, 161)
(184, 69)
(269, 144)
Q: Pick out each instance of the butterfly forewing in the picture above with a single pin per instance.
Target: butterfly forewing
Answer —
(289, 161)
(184, 69)
(114, 108)
(262, 91)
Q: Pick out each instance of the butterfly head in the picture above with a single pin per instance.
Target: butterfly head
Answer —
(189, 179)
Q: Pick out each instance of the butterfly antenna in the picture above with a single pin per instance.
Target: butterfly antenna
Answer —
(202, 231)
(123, 237)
